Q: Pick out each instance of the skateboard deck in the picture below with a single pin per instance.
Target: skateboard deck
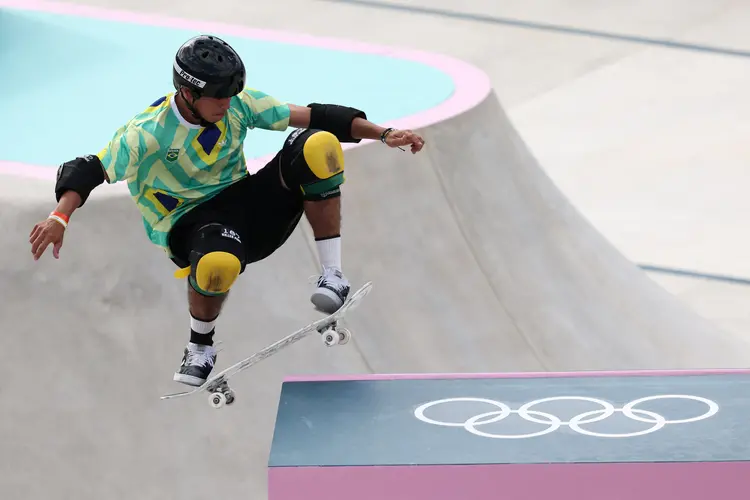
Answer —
(328, 327)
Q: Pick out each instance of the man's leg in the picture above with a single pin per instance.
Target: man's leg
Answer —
(204, 311)
(313, 162)
(325, 219)
(216, 259)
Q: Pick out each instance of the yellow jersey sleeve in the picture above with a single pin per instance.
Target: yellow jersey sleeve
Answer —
(263, 111)
(121, 156)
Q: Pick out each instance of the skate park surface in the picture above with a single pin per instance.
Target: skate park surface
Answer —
(509, 244)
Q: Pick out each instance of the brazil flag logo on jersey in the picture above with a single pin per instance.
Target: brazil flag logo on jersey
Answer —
(172, 154)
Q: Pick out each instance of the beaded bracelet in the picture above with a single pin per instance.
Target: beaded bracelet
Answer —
(385, 134)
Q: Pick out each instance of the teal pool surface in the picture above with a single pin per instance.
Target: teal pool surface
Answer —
(69, 82)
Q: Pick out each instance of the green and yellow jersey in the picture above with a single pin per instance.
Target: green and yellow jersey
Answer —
(170, 165)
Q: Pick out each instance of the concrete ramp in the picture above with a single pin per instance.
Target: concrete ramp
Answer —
(479, 265)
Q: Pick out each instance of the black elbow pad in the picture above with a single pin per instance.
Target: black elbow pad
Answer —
(81, 175)
(335, 119)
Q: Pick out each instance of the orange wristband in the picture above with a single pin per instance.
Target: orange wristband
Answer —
(60, 217)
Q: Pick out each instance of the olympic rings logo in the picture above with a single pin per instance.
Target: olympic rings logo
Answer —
(553, 422)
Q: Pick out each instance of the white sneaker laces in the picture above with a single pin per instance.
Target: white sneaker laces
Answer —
(330, 277)
(201, 357)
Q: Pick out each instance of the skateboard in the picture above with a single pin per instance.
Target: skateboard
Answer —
(332, 334)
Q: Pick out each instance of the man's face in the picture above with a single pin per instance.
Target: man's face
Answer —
(212, 109)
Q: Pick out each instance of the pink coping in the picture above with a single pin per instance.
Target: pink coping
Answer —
(471, 84)
(613, 481)
(432, 376)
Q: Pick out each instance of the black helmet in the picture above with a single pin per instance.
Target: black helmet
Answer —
(209, 67)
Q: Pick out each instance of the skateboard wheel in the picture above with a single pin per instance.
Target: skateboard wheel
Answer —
(217, 399)
(330, 338)
(344, 336)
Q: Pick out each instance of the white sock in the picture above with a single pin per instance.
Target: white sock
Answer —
(202, 327)
(329, 252)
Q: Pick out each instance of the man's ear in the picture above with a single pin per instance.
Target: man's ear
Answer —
(187, 95)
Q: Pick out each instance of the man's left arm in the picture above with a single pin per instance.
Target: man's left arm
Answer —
(350, 125)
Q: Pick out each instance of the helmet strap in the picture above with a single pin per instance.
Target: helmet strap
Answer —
(195, 95)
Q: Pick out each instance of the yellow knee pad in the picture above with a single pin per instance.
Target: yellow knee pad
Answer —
(324, 158)
(324, 155)
(215, 273)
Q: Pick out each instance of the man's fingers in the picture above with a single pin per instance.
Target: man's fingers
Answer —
(40, 249)
(415, 139)
(40, 245)
(42, 236)
(56, 249)
(406, 137)
(35, 241)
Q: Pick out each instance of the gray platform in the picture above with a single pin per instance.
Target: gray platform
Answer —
(377, 422)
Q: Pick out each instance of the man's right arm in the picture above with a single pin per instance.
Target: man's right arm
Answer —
(118, 161)
(75, 181)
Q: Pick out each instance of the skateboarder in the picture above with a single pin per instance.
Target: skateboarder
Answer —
(183, 160)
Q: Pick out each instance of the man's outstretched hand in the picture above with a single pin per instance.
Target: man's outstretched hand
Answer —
(51, 230)
(45, 233)
(401, 138)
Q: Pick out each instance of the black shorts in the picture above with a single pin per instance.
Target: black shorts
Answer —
(258, 207)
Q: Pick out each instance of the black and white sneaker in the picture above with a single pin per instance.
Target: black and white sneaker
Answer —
(333, 288)
(197, 363)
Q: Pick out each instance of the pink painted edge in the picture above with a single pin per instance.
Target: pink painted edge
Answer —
(562, 481)
(433, 376)
(28, 171)
(471, 84)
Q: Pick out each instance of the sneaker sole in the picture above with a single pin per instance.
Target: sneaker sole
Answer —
(326, 300)
(189, 379)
